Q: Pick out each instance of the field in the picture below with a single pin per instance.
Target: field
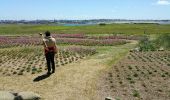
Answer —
(143, 76)
(94, 29)
(93, 62)
(16, 61)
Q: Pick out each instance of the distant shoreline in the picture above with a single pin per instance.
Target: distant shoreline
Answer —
(84, 22)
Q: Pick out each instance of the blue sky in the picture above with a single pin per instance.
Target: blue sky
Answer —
(84, 9)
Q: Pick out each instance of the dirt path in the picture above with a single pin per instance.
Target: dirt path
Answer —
(76, 81)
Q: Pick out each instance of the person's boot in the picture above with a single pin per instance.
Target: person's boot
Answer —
(53, 71)
(48, 73)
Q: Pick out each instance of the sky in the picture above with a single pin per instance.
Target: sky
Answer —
(84, 9)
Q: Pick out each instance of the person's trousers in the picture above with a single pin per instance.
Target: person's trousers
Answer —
(50, 61)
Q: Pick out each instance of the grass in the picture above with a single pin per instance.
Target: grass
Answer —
(22, 29)
(112, 52)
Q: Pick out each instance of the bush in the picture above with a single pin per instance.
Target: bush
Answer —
(163, 40)
(146, 45)
(102, 24)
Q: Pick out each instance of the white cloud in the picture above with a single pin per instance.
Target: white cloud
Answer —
(163, 2)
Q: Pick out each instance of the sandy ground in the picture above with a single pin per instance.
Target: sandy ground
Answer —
(76, 81)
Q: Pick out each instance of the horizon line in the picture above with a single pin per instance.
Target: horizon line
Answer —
(78, 19)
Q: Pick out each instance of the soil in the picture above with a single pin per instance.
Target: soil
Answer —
(138, 76)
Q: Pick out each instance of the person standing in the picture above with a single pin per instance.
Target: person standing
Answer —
(50, 50)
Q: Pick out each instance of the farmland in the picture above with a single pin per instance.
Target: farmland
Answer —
(143, 76)
(93, 62)
(76, 40)
(17, 48)
(34, 62)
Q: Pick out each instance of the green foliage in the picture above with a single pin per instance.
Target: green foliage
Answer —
(136, 93)
(163, 40)
(146, 45)
(102, 24)
(34, 69)
(15, 29)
